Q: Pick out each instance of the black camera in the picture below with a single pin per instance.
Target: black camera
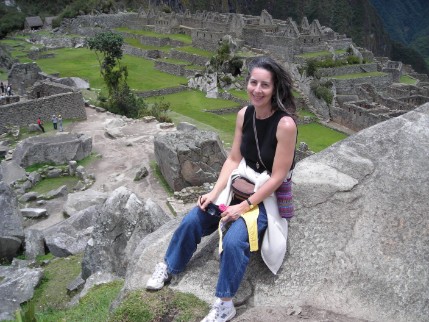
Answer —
(213, 210)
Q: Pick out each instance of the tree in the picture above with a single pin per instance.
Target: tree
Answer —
(108, 49)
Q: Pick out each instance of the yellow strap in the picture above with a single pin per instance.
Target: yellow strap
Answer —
(251, 219)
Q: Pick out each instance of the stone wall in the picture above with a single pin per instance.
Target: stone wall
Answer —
(161, 92)
(4, 100)
(191, 58)
(153, 41)
(23, 76)
(174, 69)
(47, 88)
(343, 70)
(69, 105)
(348, 86)
(143, 53)
(205, 39)
(358, 118)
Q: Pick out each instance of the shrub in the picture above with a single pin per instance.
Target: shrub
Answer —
(323, 91)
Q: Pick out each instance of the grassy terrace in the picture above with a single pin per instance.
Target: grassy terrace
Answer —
(82, 62)
(358, 75)
(407, 79)
(187, 106)
(196, 51)
(321, 53)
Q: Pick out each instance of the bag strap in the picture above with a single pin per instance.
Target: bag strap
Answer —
(257, 141)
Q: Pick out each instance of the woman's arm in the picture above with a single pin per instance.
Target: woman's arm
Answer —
(230, 164)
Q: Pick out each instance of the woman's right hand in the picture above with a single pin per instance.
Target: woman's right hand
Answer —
(205, 199)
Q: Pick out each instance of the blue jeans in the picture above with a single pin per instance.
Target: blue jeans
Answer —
(236, 248)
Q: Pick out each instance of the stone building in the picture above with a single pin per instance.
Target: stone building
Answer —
(33, 23)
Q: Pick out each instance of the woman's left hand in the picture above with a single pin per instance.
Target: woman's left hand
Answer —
(232, 213)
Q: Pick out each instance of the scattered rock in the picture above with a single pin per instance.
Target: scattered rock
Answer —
(34, 213)
(141, 173)
(34, 244)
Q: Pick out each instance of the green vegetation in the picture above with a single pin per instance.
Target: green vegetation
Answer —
(51, 294)
(144, 306)
(192, 105)
(358, 75)
(49, 184)
(136, 43)
(155, 168)
(317, 136)
(81, 62)
(195, 51)
(407, 79)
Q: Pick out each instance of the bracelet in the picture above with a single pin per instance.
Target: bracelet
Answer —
(249, 203)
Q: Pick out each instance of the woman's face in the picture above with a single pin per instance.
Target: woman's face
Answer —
(260, 87)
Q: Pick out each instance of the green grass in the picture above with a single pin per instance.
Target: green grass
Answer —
(196, 51)
(155, 168)
(192, 104)
(240, 94)
(179, 37)
(51, 294)
(302, 113)
(82, 62)
(49, 184)
(358, 75)
(318, 137)
(91, 308)
(407, 79)
(164, 305)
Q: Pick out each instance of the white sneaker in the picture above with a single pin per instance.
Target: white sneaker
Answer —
(159, 277)
(220, 312)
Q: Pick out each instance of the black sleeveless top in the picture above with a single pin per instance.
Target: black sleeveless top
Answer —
(266, 129)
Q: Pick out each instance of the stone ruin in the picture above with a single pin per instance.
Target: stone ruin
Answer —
(287, 41)
(39, 95)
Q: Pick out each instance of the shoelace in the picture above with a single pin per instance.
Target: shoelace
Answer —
(159, 272)
(214, 313)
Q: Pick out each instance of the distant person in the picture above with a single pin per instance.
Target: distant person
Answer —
(60, 122)
(9, 89)
(2, 88)
(54, 121)
(40, 123)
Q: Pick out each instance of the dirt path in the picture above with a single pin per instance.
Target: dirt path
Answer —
(120, 160)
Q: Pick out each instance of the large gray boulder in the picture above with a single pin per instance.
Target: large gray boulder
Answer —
(58, 149)
(358, 245)
(70, 236)
(189, 158)
(123, 221)
(17, 284)
(81, 200)
(11, 223)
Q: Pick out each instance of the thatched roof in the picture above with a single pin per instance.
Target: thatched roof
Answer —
(34, 21)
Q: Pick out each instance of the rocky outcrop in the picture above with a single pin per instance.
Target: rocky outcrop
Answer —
(58, 149)
(123, 222)
(83, 199)
(358, 243)
(189, 158)
(17, 283)
(70, 236)
(11, 223)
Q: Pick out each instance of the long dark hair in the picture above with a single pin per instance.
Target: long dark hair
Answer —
(282, 98)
